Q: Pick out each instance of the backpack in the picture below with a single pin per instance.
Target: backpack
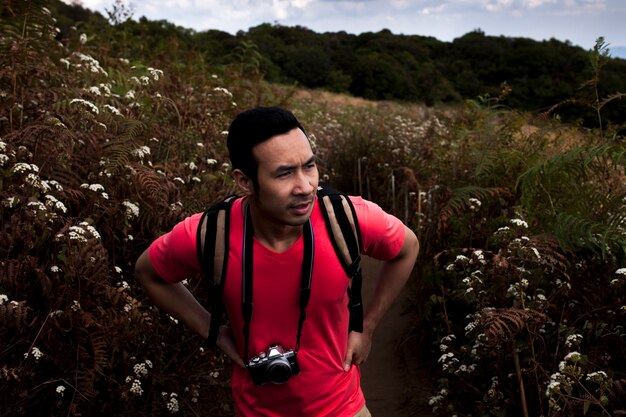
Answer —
(342, 226)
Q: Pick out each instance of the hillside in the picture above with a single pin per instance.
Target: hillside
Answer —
(379, 66)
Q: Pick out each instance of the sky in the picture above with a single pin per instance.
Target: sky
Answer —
(580, 22)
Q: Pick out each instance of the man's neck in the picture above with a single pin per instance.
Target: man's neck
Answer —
(276, 237)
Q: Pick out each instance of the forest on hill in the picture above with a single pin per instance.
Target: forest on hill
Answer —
(538, 76)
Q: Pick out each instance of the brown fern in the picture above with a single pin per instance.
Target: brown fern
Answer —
(502, 325)
(14, 315)
(151, 187)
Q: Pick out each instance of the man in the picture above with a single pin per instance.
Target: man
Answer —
(274, 167)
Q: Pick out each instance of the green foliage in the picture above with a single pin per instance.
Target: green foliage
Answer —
(578, 197)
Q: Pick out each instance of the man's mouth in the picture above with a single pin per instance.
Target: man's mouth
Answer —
(301, 207)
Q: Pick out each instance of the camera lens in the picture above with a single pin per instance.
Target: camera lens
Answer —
(278, 371)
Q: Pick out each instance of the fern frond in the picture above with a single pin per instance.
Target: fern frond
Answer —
(152, 188)
(117, 153)
(581, 232)
(502, 325)
(14, 316)
(459, 201)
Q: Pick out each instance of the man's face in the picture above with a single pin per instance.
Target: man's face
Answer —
(287, 179)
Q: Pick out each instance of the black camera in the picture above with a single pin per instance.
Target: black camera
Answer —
(275, 366)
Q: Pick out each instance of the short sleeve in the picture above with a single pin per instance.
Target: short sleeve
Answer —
(174, 255)
(382, 234)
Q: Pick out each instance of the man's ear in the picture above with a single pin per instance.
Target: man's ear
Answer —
(243, 182)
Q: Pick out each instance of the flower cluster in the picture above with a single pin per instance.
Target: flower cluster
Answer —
(141, 371)
(172, 402)
(36, 352)
(80, 233)
(84, 62)
(132, 209)
(96, 188)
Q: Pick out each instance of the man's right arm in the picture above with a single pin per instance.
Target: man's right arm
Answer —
(173, 298)
(176, 300)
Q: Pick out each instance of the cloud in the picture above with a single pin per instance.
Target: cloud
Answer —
(580, 21)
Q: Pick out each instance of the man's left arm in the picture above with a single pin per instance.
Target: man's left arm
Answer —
(392, 278)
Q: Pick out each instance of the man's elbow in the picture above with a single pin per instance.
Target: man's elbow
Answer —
(144, 271)
(411, 244)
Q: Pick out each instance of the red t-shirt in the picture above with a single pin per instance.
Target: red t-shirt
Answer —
(322, 388)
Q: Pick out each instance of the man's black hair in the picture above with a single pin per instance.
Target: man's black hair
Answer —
(252, 127)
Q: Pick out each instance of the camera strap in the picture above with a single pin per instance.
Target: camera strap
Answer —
(246, 279)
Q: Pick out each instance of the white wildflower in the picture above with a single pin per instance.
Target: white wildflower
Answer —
(597, 377)
(462, 259)
(132, 209)
(93, 187)
(60, 390)
(155, 73)
(112, 110)
(621, 271)
(519, 222)
(172, 404)
(573, 340)
(89, 105)
(3, 298)
(65, 62)
(38, 354)
(536, 252)
(82, 38)
(10, 202)
(140, 369)
(211, 161)
(475, 203)
(223, 91)
(90, 63)
(136, 387)
(56, 204)
(94, 90)
(573, 356)
(55, 269)
(37, 205)
(141, 152)
(23, 167)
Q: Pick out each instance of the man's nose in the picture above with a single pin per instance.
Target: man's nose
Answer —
(304, 184)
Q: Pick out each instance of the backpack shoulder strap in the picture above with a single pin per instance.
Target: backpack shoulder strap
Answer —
(343, 228)
(212, 247)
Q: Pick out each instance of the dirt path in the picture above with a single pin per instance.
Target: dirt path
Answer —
(386, 383)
